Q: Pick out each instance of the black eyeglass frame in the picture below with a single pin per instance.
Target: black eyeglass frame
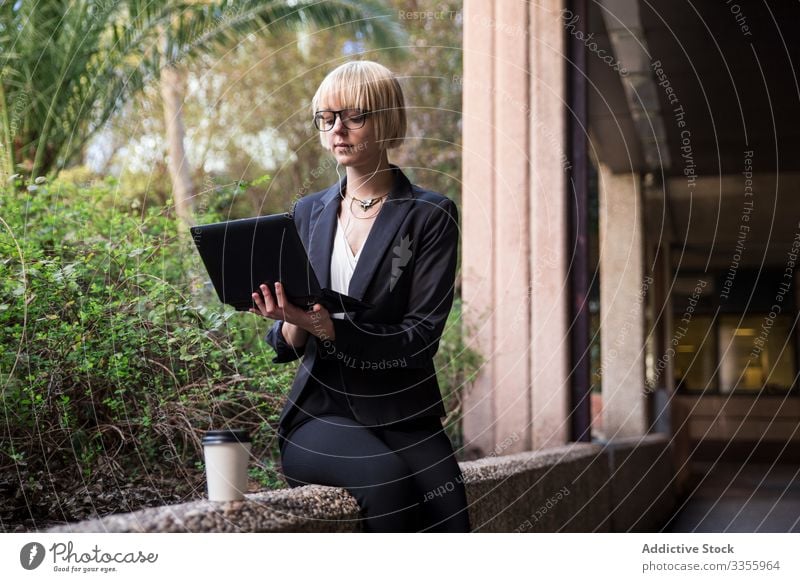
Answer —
(345, 121)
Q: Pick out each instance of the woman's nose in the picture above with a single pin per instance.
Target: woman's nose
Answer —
(338, 126)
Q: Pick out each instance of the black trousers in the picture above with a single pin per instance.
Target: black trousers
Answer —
(405, 477)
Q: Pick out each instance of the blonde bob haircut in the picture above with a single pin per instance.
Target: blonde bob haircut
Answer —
(369, 86)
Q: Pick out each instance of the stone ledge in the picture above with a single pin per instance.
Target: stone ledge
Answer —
(643, 483)
(312, 508)
(568, 488)
(543, 491)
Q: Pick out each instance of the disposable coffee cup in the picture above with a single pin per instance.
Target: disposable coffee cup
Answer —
(226, 453)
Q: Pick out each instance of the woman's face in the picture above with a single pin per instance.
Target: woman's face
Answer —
(351, 147)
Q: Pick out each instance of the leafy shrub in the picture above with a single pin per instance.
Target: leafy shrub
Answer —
(115, 357)
(456, 367)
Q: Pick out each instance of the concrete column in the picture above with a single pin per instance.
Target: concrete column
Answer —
(514, 227)
(549, 227)
(622, 304)
(510, 264)
(477, 223)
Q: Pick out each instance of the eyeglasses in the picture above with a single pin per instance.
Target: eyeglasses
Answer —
(325, 119)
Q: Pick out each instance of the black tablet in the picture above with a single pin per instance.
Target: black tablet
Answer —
(240, 255)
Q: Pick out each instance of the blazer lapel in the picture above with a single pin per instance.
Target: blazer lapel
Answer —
(382, 233)
(322, 229)
(389, 219)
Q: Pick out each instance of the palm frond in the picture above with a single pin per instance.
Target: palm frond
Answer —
(67, 65)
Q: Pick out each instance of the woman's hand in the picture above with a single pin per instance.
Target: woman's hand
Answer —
(316, 321)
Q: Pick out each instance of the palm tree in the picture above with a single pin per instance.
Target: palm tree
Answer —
(68, 65)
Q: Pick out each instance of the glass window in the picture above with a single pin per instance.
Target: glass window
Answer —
(695, 354)
(756, 352)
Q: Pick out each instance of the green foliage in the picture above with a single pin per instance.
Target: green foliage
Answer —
(69, 66)
(456, 366)
(113, 349)
(266, 474)
(433, 151)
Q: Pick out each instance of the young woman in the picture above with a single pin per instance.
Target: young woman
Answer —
(364, 412)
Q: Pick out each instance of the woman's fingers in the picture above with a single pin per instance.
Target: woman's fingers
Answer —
(266, 305)
(279, 295)
(269, 304)
(259, 308)
(279, 307)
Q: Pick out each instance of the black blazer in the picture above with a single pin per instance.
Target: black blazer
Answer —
(382, 358)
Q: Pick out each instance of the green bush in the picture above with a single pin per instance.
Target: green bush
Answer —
(456, 367)
(114, 353)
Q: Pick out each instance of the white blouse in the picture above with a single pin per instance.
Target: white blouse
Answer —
(343, 263)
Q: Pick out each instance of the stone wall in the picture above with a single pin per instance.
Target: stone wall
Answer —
(626, 485)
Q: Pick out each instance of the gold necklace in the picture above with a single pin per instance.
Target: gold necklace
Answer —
(366, 205)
